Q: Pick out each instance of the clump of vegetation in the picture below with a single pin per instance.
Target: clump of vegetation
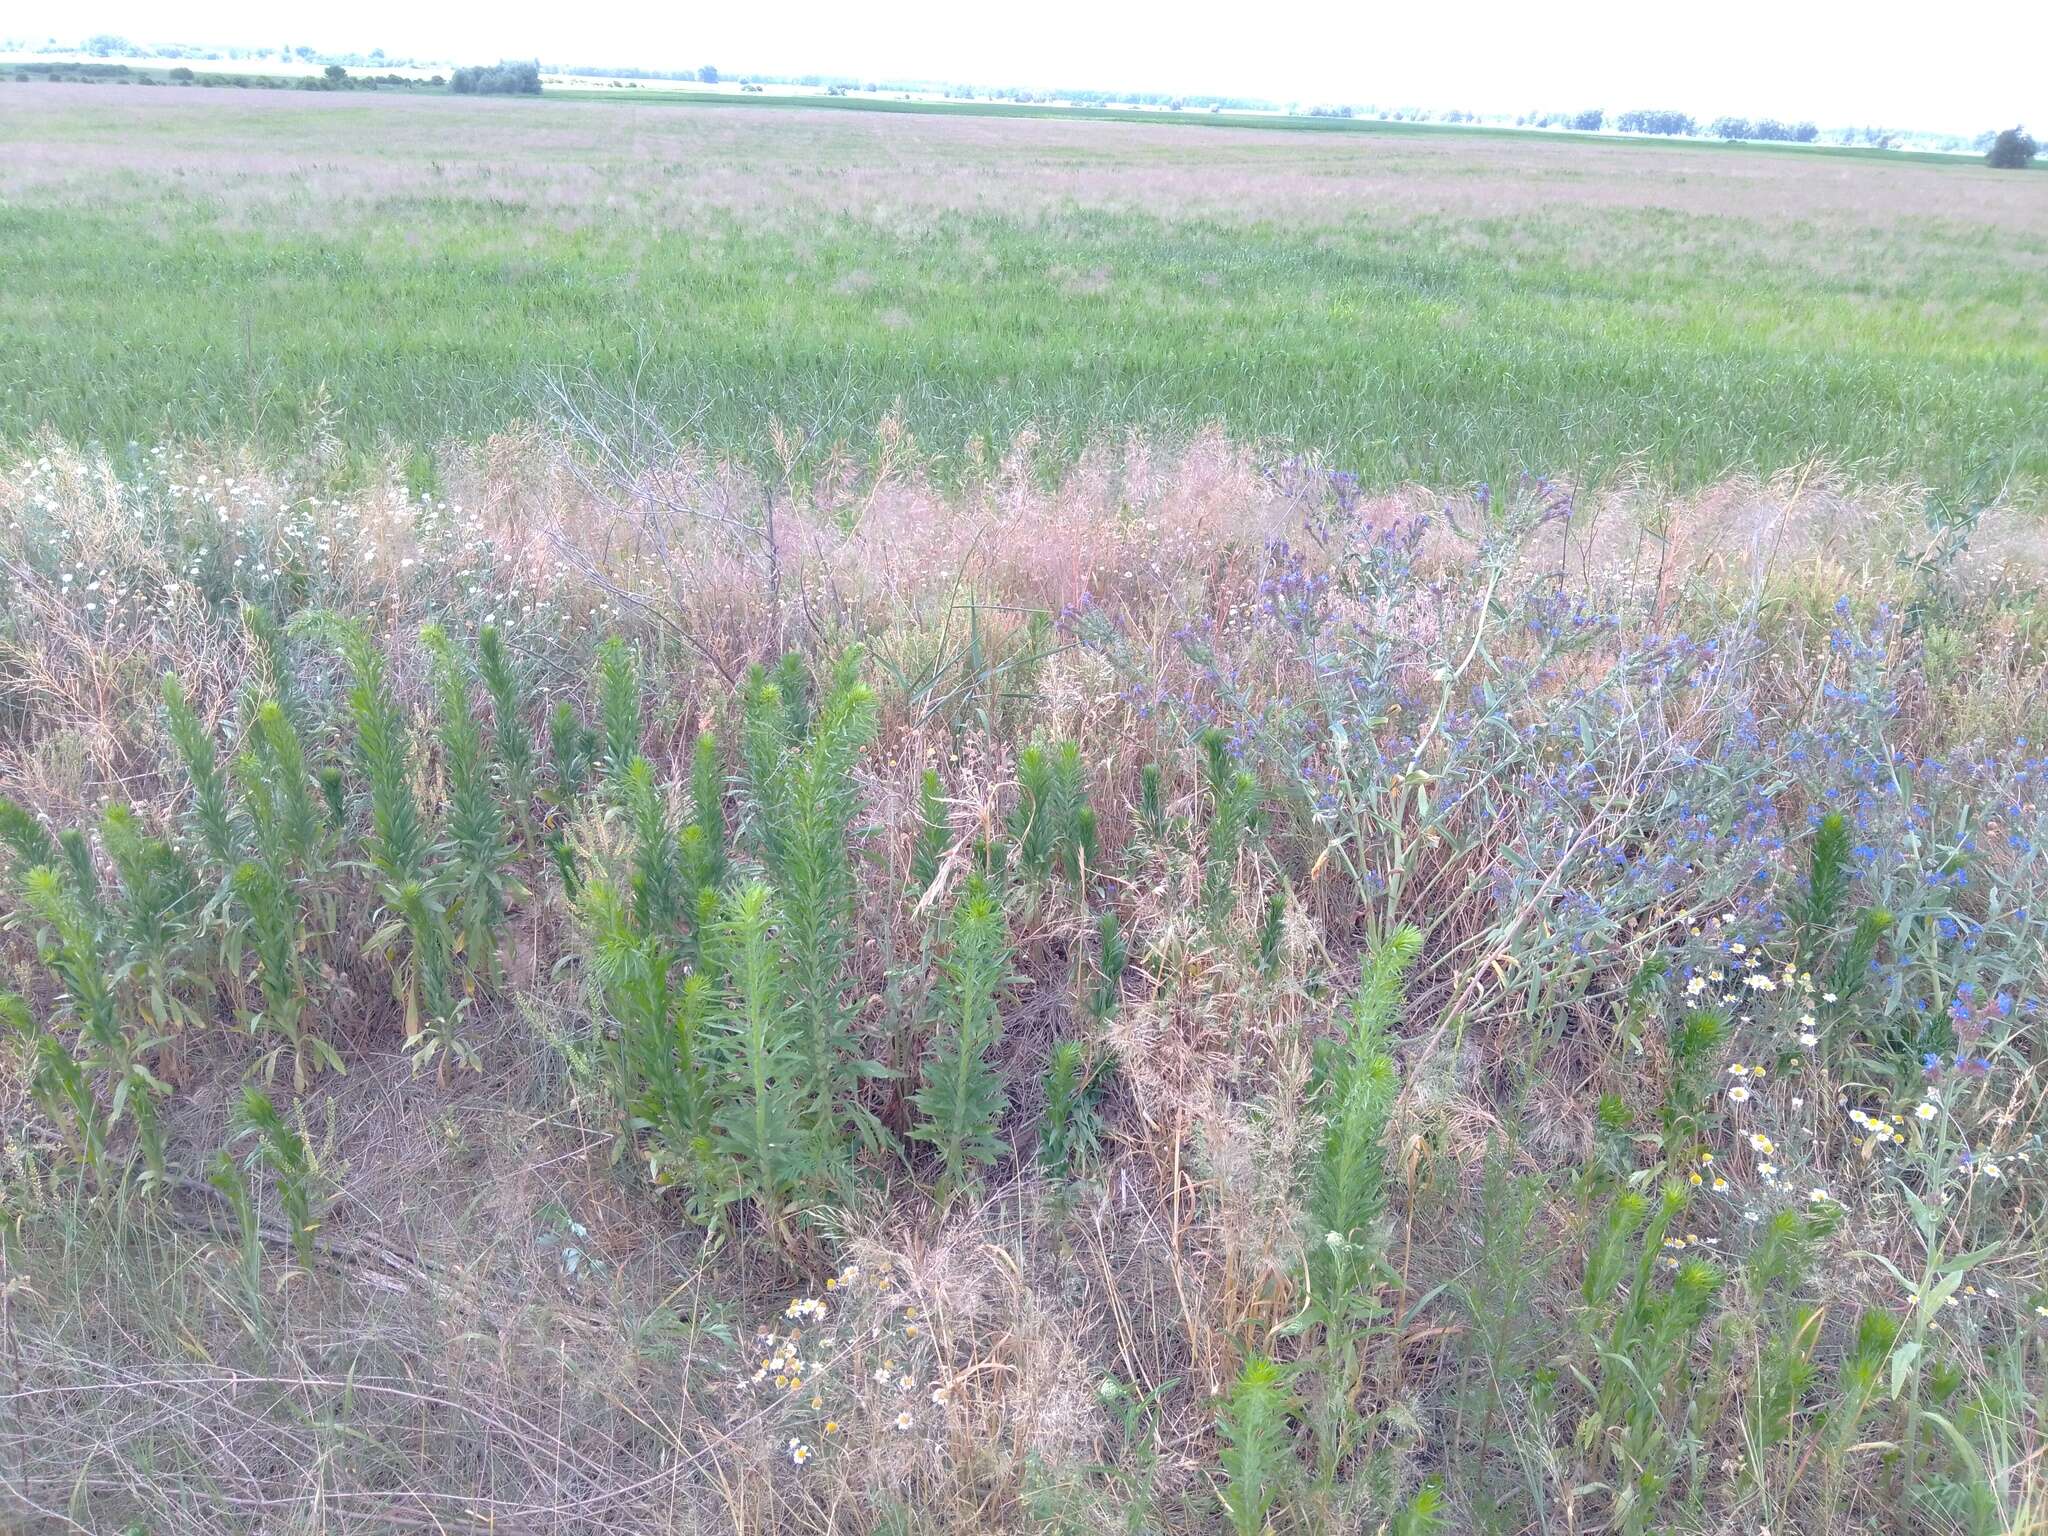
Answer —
(1377, 1025)
(2013, 150)
(511, 78)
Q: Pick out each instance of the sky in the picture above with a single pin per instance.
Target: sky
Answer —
(1895, 63)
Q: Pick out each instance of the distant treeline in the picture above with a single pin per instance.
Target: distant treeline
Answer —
(335, 78)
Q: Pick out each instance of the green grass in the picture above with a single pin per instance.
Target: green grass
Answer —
(1395, 303)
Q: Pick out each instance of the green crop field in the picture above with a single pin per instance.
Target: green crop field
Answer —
(1447, 307)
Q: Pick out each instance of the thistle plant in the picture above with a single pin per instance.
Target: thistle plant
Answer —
(232, 1184)
(805, 803)
(660, 898)
(1052, 827)
(1153, 827)
(1353, 1087)
(72, 943)
(572, 748)
(157, 924)
(618, 704)
(278, 789)
(212, 803)
(705, 856)
(1860, 1383)
(1112, 959)
(25, 838)
(478, 859)
(1774, 1273)
(934, 835)
(281, 1148)
(1256, 1461)
(270, 926)
(433, 1008)
(58, 1081)
(1232, 798)
(1817, 912)
(1640, 1386)
(400, 843)
(1070, 1138)
(659, 1069)
(757, 1050)
(961, 1100)
(270, 648)
(1034, 826)
(1270, 928)
(510, 740)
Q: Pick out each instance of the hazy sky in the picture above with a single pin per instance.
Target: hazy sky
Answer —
(1891, 62)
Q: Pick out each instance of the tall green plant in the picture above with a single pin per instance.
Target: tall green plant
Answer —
(618, 704)
(511, 741)
(401, 842)
(58, 1081)
(806, 804)
(212, 804)
(1353, 1087)
(282, 1149)
(433, 1004)
(659, 1071)
(1071, 1136)
(157, 925)
(479, 852)
(1232, 799)
(1257, 1464)
(1642, 1337)
(961, 1101)
(72, 944)
(660, 899)
(757, 1047)
(271, 928)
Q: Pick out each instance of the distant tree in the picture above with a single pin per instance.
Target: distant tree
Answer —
(2012, 150)
(336, 75)
(510, 78)
(1590, 121)
(1733, 128)
(1641, 121)
(182, 75)
(708, 74)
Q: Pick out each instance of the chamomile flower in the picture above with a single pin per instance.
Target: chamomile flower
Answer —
(904, 1419)
(1925, 1110)
(1738, 1094)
